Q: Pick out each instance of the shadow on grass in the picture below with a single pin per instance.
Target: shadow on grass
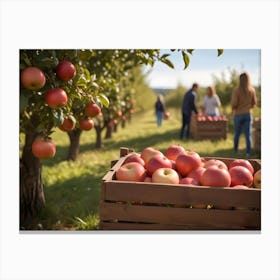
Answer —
(70, 200)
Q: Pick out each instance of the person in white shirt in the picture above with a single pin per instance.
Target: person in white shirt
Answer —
(211, 103)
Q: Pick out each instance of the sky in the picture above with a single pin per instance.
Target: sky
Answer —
(204, 63)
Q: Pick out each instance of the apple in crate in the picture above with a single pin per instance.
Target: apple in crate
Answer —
(132, 171)
(257, 179)
(242, 162)
(188, 181)
(215, 176)
(187, 161)
(240, 175)
(156, 162)
(216, 162)
(165, 175)
(173, 151)
(196, 174)
(148, 153)
(134, 157)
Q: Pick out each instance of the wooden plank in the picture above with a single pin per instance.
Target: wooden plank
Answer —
(180, 216)
(103, 225)
(180, 194)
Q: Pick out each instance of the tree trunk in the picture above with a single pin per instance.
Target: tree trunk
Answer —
(98, 144)
(115, 128)
(74, 137)
(123, 123)
(32, 198)
(109, 130)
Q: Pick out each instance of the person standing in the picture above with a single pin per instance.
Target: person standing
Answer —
(159, 109)
(188, 106)
(211, 103)
(243, 100)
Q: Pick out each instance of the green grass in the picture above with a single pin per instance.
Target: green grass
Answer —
(72, 189)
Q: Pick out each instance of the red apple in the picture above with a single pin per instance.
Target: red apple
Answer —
(188, 181)
(173, 151)
(67, 125)
(216, 162)
(156, 162)
(165, 175)
(86, 124)
(43, 148)
(56, 98)
(166, 115)
(215, 176)
(148, 179)
(132, 171)
(257, 179)
(65, 70)
(134, 157)
(148, 153)
(32, 78)
(242, 162)
(197, 173)
(240, 175)
(187, 161)
(92, 110)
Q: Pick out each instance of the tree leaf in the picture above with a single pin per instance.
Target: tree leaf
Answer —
(104, 100)
(58, 117)
(164, 55)
(190, 50)
(220, 51)
(23, 102)
(167, 62)
(186, 59)
(150, 61)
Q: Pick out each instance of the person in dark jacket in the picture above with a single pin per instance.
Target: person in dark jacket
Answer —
(159, 109)
(188, 107)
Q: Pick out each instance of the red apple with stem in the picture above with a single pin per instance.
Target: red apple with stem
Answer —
(166, 176)
(132, 171)
(32, 78)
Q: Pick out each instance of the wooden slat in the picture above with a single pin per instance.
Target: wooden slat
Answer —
(179, 194)
(145, 226)
(180, 216)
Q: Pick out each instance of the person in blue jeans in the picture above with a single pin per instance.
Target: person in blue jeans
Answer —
(243, 100)
(159, 109)
(188, 106)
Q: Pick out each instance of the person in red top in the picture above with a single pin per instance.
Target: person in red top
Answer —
(243, 100)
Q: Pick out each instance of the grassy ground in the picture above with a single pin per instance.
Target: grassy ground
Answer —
(72, 189)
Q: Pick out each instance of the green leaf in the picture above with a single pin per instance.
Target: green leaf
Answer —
(87, 74)
(23, 102)
(167, 62)
(190, 50)
(58, 117)
(220, 51)
(150, 61)
(104, 100)
(164, 56)
(186, 59)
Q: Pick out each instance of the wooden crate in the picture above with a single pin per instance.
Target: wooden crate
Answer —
(167, 207)
(257, 134)
(208, 129)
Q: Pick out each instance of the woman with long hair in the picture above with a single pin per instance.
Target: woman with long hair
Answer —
(211, 102)
(243, 100)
